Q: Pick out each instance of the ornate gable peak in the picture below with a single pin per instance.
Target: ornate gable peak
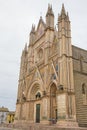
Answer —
(41, 27)
(41, 22)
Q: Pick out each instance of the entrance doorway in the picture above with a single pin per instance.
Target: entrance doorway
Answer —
(37, 113)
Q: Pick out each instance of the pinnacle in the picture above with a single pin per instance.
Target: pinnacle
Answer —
(41, 19)
(63, 9)
(67, 16)
(49, 11)
(63, 13)
(33, 28)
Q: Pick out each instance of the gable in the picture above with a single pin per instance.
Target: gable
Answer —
(40, 27)
(37, 75)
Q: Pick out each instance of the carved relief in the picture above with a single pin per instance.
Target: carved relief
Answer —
(40, 54)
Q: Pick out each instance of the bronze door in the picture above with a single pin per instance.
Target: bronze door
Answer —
(37, 113)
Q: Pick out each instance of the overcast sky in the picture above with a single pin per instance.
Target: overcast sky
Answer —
(16, 19)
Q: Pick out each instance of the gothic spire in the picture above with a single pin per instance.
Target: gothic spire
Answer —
(49, 11)
(63, 12)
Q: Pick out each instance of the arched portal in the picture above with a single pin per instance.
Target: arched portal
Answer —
(35, 91)
(53, 102)
(34, 88)
(35, 96)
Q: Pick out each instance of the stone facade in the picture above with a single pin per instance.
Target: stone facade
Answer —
(80, 83)
(53, 76)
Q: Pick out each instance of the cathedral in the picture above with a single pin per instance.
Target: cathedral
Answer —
(52, 86)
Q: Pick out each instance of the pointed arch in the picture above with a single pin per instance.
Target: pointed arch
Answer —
(53, 100)
(35, 87)
(51, 84)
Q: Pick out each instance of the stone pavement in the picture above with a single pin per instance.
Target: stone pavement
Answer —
(38, 127)
(6, 128)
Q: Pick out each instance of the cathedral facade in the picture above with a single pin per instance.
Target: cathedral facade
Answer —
(53, 75)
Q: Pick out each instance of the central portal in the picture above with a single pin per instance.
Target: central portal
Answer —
(37, 113)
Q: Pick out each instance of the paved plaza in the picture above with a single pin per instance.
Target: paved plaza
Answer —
(43, 128)
(6, 128)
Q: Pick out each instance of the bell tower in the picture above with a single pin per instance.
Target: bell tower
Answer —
(66, 93)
